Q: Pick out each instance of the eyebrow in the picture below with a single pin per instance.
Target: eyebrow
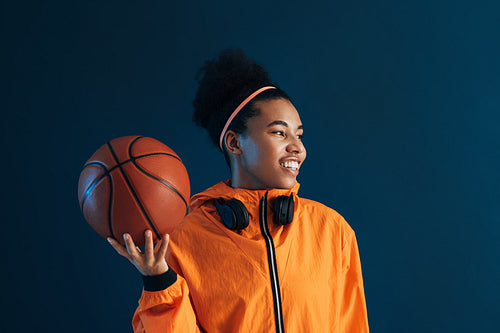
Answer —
(281, 122)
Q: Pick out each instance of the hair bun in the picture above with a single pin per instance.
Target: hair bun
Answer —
(224, 82)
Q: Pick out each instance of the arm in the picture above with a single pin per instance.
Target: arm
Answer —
(164, 305)
(353, 307)
(167, 310)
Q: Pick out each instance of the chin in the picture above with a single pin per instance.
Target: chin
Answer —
(285, 184)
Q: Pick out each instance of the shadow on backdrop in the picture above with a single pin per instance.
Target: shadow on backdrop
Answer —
(400, 103)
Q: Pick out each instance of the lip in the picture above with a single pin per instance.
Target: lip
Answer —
(288, 170)
(291, 159)
(291, 171)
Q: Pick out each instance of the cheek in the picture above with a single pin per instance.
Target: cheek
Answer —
(260, 158)
(251, 154)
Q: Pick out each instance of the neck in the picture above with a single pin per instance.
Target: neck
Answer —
(240, 179)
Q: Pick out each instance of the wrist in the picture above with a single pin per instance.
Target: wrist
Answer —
(160, 281)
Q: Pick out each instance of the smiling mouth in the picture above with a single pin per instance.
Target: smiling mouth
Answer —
(290, 165)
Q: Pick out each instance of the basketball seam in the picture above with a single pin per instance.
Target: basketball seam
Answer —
(133, 191)
(107, 173)
(110, 204)
(110, 199)
(170, 186)
(129, 160)
(95, 182)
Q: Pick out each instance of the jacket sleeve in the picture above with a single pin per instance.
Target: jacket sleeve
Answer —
(353, 313)
(167, 310)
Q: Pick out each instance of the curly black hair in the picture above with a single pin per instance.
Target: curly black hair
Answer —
(224, 82)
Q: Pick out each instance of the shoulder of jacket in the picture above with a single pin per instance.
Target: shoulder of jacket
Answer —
(319, 208)
(196, 223)
(330, 214)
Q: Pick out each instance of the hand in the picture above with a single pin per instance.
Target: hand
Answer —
(152, 261)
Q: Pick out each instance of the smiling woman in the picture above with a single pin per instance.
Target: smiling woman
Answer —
(251, 256)
(269, 153)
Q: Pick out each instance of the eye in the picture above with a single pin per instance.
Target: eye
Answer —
(300, 136)
(279, 133)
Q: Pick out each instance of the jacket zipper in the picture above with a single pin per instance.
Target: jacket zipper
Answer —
(271, 258)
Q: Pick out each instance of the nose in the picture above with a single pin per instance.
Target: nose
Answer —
(296, 146)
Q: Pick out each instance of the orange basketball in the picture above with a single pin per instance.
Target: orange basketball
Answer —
(131, 184)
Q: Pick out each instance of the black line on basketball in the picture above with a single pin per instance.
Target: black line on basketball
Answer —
(133, 191)
(130, 160)
(142, 137)
(170, 186)
(95, 182)
(110, 203)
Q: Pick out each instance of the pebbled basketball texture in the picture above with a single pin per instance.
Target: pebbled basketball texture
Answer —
(131, 184)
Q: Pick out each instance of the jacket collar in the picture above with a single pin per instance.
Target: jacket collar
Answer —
(223, 190)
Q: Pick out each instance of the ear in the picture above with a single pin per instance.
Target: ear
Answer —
(232, 141)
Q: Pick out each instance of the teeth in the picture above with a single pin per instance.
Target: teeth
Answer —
(290, 164)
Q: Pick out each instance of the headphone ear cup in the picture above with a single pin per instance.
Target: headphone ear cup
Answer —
(241, 213)
(233, 213)
(283, 210)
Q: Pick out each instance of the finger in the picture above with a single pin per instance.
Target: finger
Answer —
(162, 252)
(129, 243)
(138, 249)
(158, 245)
(148, 246)
(118, 247)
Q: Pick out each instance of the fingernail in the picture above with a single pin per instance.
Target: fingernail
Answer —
(108, 239)
(125, 236)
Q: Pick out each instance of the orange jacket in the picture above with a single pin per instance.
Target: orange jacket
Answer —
(225, 284)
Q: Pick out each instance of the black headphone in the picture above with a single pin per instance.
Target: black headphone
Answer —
(234, 214)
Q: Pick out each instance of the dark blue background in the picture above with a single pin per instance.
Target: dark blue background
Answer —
(400, 100)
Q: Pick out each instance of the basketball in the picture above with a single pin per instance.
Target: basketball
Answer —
(131, 184)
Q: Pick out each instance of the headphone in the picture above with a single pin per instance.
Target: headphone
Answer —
(234, 214)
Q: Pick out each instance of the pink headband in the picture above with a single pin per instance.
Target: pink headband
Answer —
(238, 109)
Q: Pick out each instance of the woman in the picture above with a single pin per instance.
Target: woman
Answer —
(251, 256)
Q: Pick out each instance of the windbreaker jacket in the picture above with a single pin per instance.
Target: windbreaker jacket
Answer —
(301, 277)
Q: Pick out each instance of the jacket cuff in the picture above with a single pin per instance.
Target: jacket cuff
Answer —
(159, 282)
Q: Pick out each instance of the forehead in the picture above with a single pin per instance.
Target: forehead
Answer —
(273, 110)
